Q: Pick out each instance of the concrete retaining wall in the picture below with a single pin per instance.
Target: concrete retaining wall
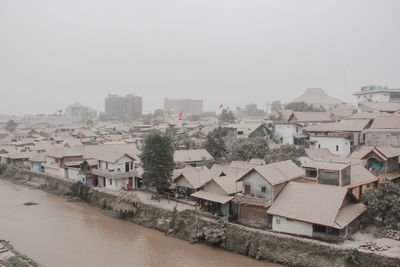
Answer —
(194, 227)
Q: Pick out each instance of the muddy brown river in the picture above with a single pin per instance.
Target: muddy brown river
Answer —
(61, 233)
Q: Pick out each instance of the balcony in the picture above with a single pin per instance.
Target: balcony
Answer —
(114, 175)
(256, 201)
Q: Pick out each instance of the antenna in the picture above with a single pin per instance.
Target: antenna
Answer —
(345, 85)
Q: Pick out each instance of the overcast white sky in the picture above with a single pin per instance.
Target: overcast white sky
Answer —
(235, 52)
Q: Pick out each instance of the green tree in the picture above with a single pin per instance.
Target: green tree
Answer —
(276, 116)
(158, 113)
(284, 152)
(383, 204)
(227, 116)
(248, 148)
(194, 117)
(303, 107)
(89, 123)
(215, 144)
(11, 126)
(158, 161)
(252, 110)
(276, 105)
(147, 118)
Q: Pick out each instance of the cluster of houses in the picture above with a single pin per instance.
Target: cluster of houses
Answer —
(346, 154)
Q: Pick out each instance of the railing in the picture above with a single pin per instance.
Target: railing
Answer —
(114, 175)
(257, 201)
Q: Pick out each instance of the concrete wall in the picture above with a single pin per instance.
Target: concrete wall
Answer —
(377, 97)
(331, 143)
(118, 166)
(262, 245)
(115, 184)
(382, 138)
(256, 182)
(59, 172)
(254, 216)
(285, 132)
(284, 225)
(73, 173)
(36, 166)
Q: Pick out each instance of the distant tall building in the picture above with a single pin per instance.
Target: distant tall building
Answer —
(127, 108)
(78, 110)
(189, 106)
(133, 107)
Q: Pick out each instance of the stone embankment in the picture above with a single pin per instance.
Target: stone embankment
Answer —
(9, 257)
(195, 227)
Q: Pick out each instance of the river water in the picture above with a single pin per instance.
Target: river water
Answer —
(61, 233)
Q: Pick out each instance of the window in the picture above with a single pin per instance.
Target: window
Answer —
(110, 181)
(319, 146)
(263, 189)
(106, 165)
(337, 147)
(278, 221)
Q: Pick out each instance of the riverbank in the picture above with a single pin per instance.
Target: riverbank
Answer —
(10, 257)
(194, 227)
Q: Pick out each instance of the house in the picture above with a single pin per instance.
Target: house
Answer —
(315, 210)
(56, 158)
(195, 157)
(354, 176)
(73, 170)
(86, 170)
(340, 137)
(4, 151)
(317, 97)
(217, 195)
(260, 186)
(380, 94)
(329, 173)
(218, 170)
(290, 133)
(383, 162)
(385, 130)
(19, 159)
(251, 130)
(36, 162)
(190, 179)
(391, 107)
(310, 118)
(116, 170)
(245, 164)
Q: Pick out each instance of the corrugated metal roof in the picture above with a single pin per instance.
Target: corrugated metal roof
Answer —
(313, 203)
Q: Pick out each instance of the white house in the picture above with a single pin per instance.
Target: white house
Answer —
(327, 212)
(55, 160)
(116, 170)
(287, 132)
(374, 93)
(336, 145)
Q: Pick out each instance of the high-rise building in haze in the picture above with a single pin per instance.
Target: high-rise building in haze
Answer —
(190, 106)
(128, 108)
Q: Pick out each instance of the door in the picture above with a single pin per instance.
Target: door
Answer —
(126, 166)
(247, 189)
(104, 182)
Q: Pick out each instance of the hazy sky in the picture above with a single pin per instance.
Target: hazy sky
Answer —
(54, 53)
